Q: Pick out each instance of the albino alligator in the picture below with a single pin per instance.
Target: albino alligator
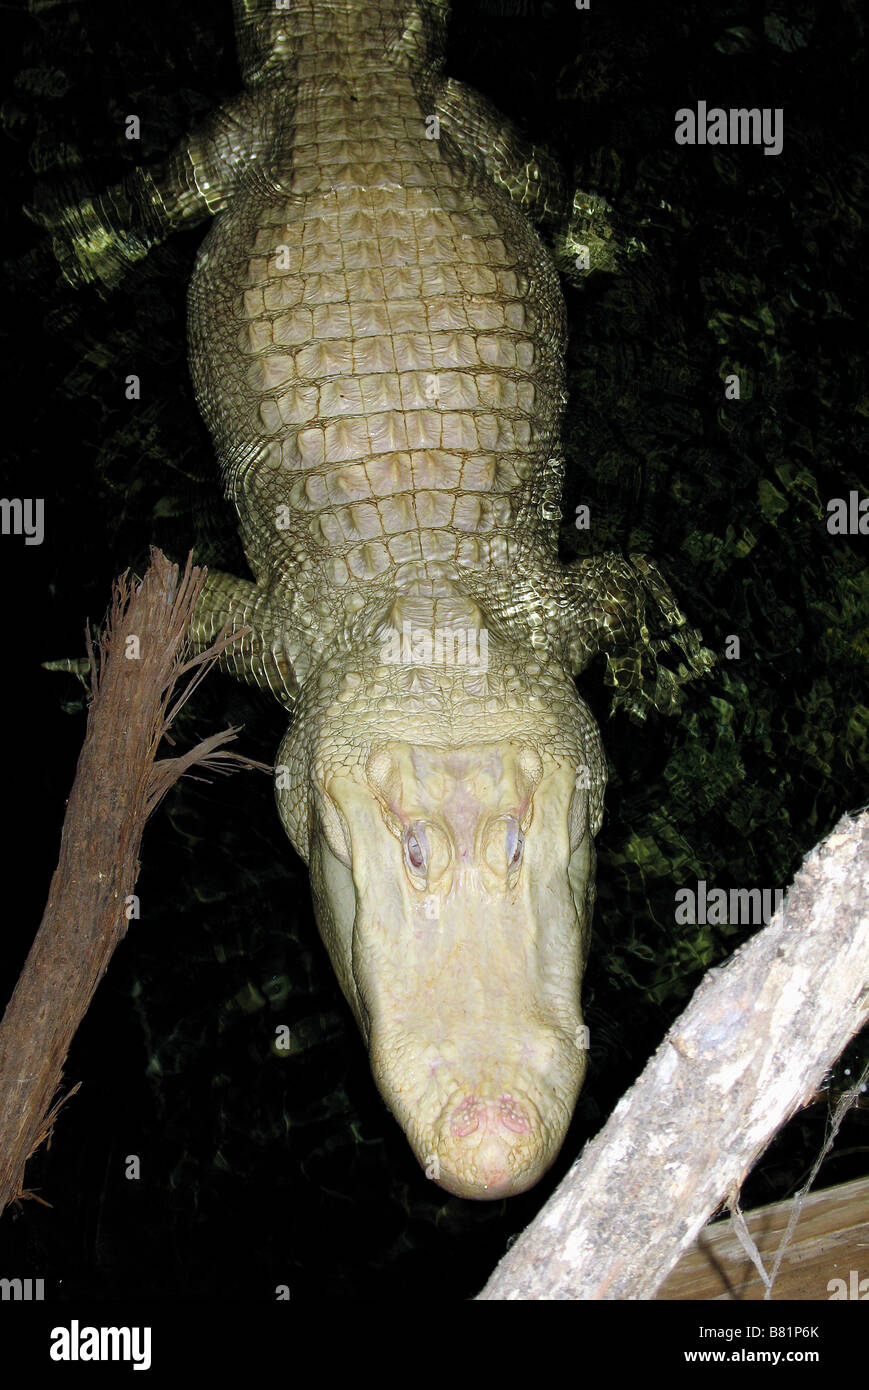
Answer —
(376, 340)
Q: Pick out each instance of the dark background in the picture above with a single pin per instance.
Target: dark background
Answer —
(258, 1169)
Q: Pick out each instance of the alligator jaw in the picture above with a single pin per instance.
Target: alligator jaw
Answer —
(476, 1043)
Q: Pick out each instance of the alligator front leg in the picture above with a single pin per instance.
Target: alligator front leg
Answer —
(266, 655)
(609, 604)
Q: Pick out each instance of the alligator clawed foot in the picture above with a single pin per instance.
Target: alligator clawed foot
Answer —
(89, 241)
(642, 680)
(80, 667)
(594, 240)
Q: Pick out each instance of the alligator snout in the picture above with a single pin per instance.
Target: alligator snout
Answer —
(490, 1147)
(485, 1113)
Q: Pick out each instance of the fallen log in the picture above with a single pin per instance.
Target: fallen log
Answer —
(751, 1049)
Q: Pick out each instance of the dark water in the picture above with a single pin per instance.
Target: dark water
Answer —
(258, 1171)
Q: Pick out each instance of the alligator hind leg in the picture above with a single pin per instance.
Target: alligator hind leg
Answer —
(97, 239)
(583, 228)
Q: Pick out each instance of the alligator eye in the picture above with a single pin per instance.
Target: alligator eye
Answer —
(416, 850)
(515, 842)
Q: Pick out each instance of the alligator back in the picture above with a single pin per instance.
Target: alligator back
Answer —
(376, 340)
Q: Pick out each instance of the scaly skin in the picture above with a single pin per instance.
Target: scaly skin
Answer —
(376, 339)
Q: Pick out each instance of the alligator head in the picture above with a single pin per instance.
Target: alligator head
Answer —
(451, 848)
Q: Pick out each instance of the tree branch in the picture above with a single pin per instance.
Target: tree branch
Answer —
(117, 784)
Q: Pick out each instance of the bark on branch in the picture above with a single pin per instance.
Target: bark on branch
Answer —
(134, 678)
(751, 1049)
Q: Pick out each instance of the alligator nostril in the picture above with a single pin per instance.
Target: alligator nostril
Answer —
(513, 1116)
(465, 1119)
